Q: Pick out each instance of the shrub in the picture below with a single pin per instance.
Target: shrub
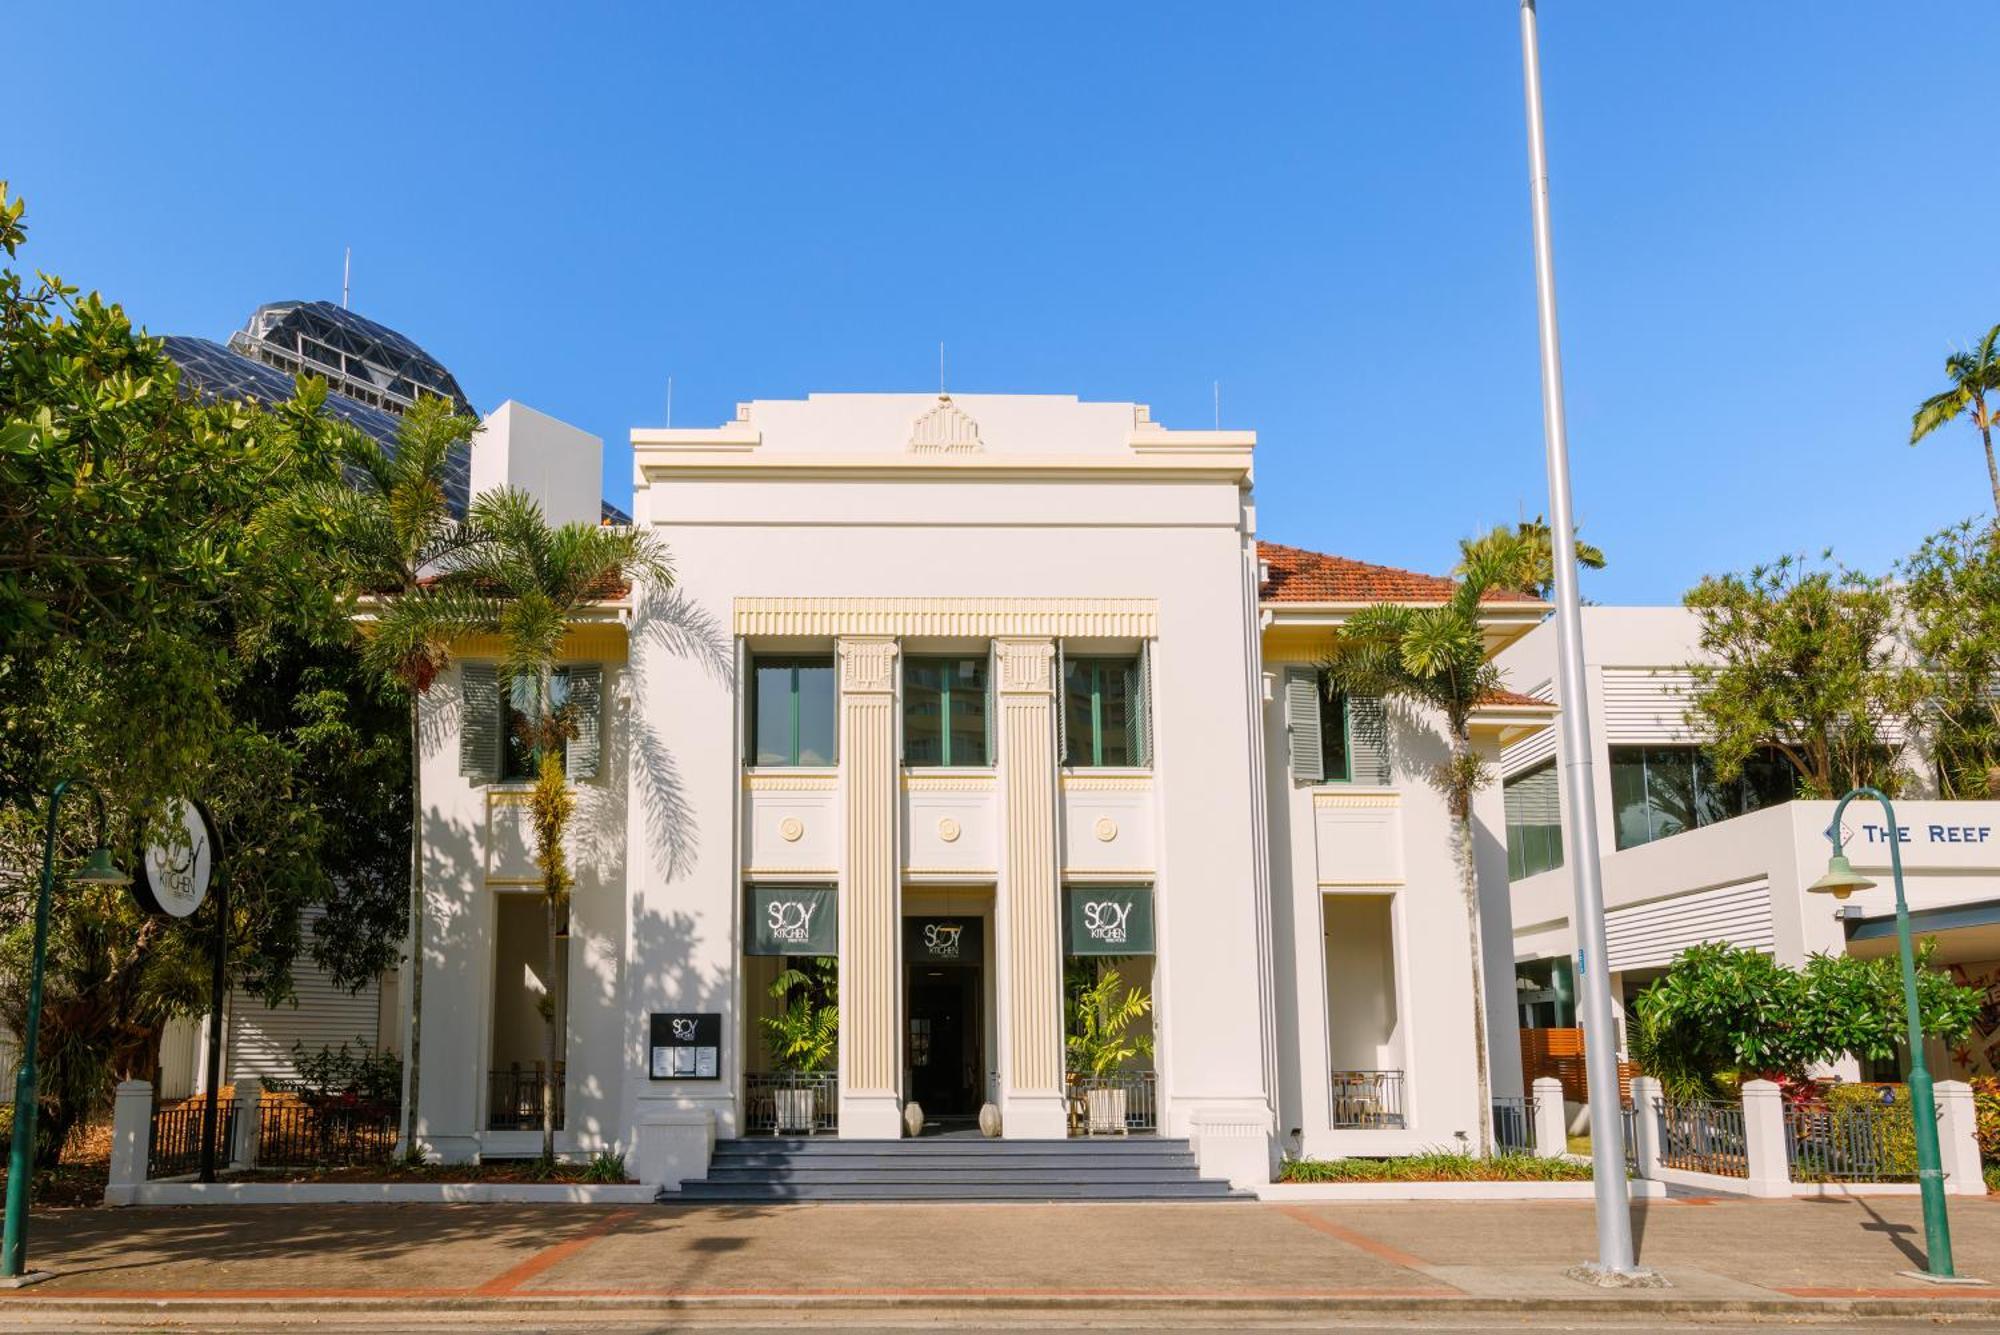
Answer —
(1986, 1116)
(338, 1075)
(605, 1166)
(1436, 1166)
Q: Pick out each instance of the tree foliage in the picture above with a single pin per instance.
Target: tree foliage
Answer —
(1526, 552)
(1805, 659)
(1974, 374)
(152, 639)
(1723, 1011)
(1951, 589)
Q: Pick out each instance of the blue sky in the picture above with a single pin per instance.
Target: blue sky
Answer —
(1772, 222)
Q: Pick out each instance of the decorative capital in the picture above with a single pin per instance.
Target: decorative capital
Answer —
(1027, 667)
(867, 667)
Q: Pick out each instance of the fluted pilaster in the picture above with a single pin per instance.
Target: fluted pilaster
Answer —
(1028, 902)
(870, 892)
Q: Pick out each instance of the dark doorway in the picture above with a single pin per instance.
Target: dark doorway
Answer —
(942, 1045)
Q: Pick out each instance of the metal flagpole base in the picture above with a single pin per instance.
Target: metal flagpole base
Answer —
(1600, 1277)
(1952, 1281)
(23, 1281)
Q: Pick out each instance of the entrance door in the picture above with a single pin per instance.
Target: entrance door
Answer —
(943, 1045)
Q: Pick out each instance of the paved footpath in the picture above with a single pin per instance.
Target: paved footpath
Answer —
(1427, 1265)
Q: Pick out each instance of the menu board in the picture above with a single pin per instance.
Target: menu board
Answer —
(685, 1046)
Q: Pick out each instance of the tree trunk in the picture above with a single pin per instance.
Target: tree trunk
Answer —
(413, 1059)
(1468, 883)
(550, 1030)
(1992, 472)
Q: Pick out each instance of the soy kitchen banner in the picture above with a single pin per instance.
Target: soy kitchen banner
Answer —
(1109, 920)
(792, 920)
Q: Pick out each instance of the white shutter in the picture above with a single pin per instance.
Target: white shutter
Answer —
(1647, 704)
(586, 702)
(1647, 936)
(479, 722)
(262, 1037)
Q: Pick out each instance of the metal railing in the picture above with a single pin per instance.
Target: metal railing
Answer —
(791, 1103)
(514, 1098)
(1860, 1140)
(1628, 1122)
(333, 1134)
(1120, 1103)
(1371, 1099)
(1514, 1124)
(175, 1150)
(1704, 1136)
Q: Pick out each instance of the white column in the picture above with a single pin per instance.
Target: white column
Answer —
(1551, 1127)
(870, 895)
(249, 1101)
(1027, 905)
(1958, 1139)
(1764, 1139)
(1646, 1099)
(131, 1141)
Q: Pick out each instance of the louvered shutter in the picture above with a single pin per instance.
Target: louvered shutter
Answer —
(1139, 691)
(479, 723)
(1368, 740)
(586, 704)
(1302, 724)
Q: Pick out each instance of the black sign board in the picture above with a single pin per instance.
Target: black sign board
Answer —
(929, 940)
(685, 1046)
(1108, 919)
(791, 920)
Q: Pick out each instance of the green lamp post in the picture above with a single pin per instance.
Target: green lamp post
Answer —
(98, 869)
(1840, 881)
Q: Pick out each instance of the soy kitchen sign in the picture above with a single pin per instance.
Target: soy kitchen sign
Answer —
(791, 920)
(1108, 920)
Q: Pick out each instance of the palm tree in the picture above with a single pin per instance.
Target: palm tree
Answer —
(1974, 375)
(1434, 657)
(539, 579)
(387, 540)
(1531, 549)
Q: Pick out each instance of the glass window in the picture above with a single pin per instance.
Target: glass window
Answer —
(1100, 711)
(517, 717)
(1658, 791)
(1333, 753)
(944, 711)
(792, 711)
(1534, 823)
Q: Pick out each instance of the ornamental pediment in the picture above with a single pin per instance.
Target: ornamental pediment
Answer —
(945, 429)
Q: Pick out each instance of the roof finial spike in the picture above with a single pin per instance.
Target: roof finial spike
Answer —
(941, 394)
(346, 272)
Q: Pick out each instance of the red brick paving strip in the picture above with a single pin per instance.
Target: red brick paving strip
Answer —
(1361, 1242)
(507, 1281)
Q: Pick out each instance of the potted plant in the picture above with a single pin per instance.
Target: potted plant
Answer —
(1101, 1043)
(803, 1037)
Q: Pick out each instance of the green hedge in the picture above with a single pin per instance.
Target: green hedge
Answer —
(1436, 1166)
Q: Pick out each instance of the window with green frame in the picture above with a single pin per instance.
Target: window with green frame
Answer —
(945, 712)
(792, 709)
(517, 710)
(1660, 791)
(1336, 756)
(1106, 712)
(1534, 822)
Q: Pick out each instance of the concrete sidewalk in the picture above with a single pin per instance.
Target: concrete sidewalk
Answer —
(1157, 1264)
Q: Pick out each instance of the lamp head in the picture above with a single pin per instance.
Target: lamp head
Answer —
(100, 869)
(1841, 880)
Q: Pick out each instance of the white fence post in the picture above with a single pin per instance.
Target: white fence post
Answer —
(1958, 1139)
(1551, 1130)
(131, 1141)
(249, 1095)
(1647, 1097)
(1764, 1139)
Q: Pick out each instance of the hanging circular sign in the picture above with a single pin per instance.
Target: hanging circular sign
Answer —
(178, 862)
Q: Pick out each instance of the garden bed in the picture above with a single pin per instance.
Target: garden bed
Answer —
(1438, 1167)
(504, 1170)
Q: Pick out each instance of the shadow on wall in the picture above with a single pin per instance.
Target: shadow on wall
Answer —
(672, 623)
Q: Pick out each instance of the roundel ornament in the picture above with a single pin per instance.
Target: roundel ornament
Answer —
(178, 862)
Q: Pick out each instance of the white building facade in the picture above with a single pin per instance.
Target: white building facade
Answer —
(1688, 859)
(971, 696)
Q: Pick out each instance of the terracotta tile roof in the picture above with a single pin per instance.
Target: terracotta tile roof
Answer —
(1300, 576)
(1514, 699)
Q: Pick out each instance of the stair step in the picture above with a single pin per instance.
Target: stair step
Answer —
(917, 1173)
(1198, 1189)
(1025, 1162)
(952, 1145)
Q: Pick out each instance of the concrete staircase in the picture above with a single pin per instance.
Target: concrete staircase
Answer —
(952, 1168)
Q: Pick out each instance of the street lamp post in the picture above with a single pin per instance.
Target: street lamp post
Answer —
(1840, 881)
(98, 869)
